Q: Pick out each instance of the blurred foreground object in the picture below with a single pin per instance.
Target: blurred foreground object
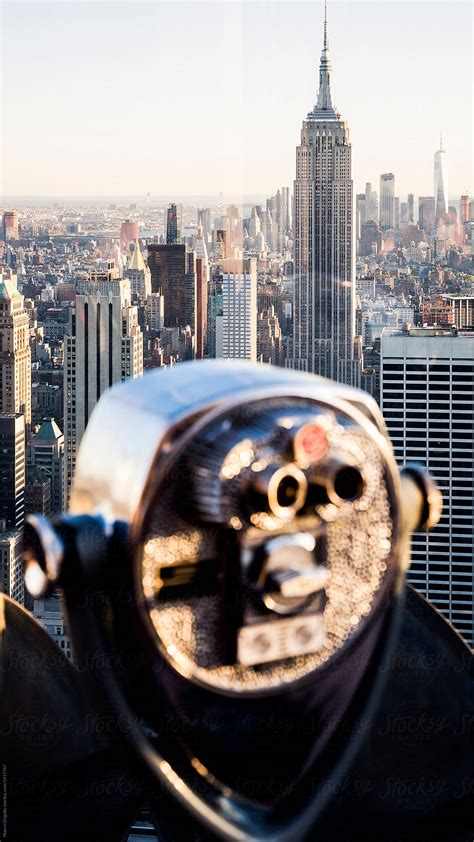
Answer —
(234, 561)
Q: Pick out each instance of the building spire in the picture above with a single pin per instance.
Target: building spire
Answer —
(441, 141)
(324, 102)
(325, 47)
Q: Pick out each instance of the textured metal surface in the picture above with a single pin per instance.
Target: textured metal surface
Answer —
(361, 552)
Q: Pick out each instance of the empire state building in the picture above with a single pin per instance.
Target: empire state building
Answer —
(323, 339)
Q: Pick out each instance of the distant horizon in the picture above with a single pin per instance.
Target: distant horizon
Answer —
(130, 195)
(198, 200)
(193, 200)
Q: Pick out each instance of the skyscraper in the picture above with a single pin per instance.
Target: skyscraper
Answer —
(387, 201)
(187, 318)
(128, 234)
(440, 184)
(204, 218)
(269, 337)
(239, 311)
(139, 275)
(46, 451)
(371, 209)
(174, 224)
(397, 212)
(104, 345)
(427, 387)
(285, 221)
(155, 311)
(464, 208)
(222, 247)
(267, 231)
(37, 491)
(255, 224)
(360, 213)
(215, 309)
(426, 213)
(12, 472)
(232, 212)
(324, 256)
(411, 208)
(15, 354)
(10, 225)
(168, 270)
(200, 304)
(11, 565)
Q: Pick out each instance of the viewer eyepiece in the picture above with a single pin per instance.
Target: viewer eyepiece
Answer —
(285, 490)
(349, 483)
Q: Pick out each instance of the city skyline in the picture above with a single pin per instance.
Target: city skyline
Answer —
(86, 143)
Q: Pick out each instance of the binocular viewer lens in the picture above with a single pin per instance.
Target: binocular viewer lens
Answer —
(281, 492)
(287, 490)
(349, 483)
(336, 483)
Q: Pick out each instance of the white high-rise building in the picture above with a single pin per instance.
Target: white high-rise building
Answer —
(371, 209)
(441, 185)
(427, 392)
(15, 353)
(200, 294)
(238, 329)
(155, 311)
(387, 201)
(254, 226)
(104, 345)
(11, 565)
(324, 241)
(284, 222)
(12, 504)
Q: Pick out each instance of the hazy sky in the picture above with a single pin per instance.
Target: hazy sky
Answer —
(198, 97)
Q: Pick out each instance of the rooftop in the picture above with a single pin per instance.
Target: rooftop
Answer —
(427, 331)
(136, 261)
(49, 430)
(8, 287)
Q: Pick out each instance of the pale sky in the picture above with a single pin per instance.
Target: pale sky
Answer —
(201, 98)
